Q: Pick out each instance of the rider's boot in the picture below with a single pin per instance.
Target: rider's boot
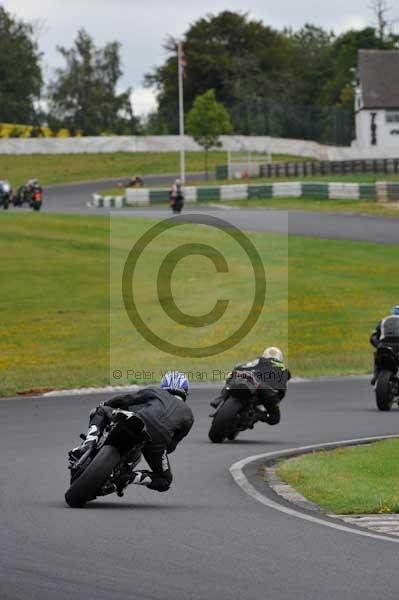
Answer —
(271, 415)
(91, 439)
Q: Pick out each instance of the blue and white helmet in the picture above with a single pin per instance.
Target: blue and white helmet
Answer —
(176, 383)
(395, 310)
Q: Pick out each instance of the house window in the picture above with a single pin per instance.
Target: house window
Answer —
(392, 116)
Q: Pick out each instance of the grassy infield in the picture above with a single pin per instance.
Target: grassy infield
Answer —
(357, 480)
(55, 308)
(66, 168)
(55, 322)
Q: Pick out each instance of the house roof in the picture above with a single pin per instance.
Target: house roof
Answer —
(379, 78)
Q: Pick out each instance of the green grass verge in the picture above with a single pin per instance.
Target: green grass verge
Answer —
(67, 168)
(365, 207)
(54, 298)
(362, 479)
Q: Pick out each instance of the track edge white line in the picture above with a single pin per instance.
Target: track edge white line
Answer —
(237, 472)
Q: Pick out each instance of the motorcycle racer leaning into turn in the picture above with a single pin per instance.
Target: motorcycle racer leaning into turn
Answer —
(167, 418)
(272, 375)
(386, 333)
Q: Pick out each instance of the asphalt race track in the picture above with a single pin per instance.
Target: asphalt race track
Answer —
(73, 198)
(203, 540)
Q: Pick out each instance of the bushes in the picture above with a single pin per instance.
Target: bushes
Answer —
(12, 130)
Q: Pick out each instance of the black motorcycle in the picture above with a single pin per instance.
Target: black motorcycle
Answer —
(36, 194)
(240, 409)
(387, 384)
(20, 196)
(31, 194)
(107, 467)
(5, 194)
(176, 203)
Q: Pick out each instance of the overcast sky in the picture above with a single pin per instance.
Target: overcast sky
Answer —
(142, 26)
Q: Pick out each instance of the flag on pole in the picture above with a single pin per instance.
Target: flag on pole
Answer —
(182, 60)
(181, 67)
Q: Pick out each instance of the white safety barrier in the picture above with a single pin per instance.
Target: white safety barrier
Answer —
(170, 143)
(261, 191)
(344, 191)
(287, 190)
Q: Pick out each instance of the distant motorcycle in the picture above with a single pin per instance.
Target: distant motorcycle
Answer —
(240, 410)
(36, 197)
(387, 384)
(134, 182)
(106, 468)
(5, 194)
(31, 194)
(177, 204)
(176, 197)
(20, 196)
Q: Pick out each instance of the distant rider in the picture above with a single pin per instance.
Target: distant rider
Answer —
(386, 334)
(24, 193)
(272, 376)
(135, 181)
(176, 197)
(168, 420)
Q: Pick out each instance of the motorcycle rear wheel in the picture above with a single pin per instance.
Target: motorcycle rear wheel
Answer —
(383, 391)
(224, 420)
(86, 487)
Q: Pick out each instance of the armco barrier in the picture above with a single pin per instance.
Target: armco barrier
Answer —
(321, 191)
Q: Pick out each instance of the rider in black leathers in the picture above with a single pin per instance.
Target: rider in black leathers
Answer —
(168, 420)
(176, 197)
(386, 333)
(272, 375)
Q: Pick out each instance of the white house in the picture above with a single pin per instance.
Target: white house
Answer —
(377, 103)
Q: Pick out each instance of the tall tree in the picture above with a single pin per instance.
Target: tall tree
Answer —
(380, 9)
(207, 121)
(20, 70)
(311, 48)
(84, 94)
(343, 59)
(227, 53)
(282, 83)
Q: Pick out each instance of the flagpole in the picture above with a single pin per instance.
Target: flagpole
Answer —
(181, 114)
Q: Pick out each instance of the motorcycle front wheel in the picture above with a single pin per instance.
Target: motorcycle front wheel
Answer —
(383, 391)
(86, 487)
(223, 424)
